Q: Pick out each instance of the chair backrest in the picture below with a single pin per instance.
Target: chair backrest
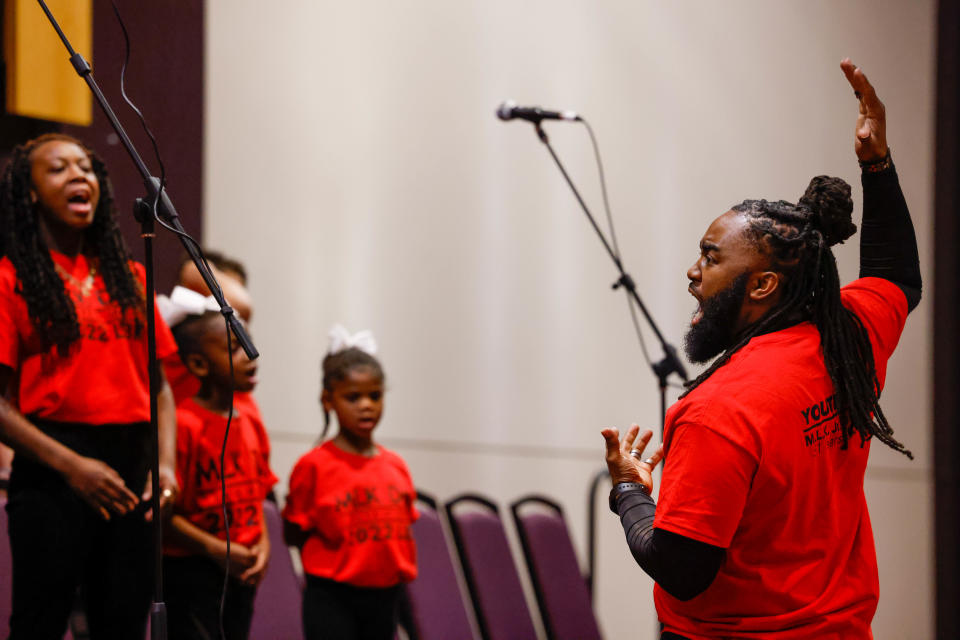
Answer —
(488, 567)
(437, 608)
(554, 571)
(277, 607)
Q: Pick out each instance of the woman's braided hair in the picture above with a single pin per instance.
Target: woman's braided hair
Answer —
(50, 308)
(797, 238)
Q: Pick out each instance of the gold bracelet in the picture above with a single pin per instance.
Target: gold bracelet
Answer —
(876, 166)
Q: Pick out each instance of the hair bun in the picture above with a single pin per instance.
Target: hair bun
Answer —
(830, 202)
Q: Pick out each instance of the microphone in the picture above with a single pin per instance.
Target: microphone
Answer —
(509, 110)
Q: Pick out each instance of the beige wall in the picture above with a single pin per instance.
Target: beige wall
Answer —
(354, 161)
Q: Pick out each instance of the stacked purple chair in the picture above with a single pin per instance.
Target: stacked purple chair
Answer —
(436, 605)
(488, 566)
(560, 587)
(276, 609)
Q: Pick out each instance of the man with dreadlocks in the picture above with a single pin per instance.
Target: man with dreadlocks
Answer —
(761, 530)
(73, 363)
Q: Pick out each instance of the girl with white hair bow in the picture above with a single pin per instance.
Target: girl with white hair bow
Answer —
(350, 505)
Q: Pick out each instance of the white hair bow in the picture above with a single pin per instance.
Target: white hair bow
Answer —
(340, 339)
(183, 303)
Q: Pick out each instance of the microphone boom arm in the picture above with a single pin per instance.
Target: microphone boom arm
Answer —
(670, 363)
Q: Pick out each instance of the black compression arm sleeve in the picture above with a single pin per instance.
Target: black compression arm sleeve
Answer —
(888, 245)
(683, 567)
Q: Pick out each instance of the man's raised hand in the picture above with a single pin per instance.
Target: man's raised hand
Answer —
(871, 142)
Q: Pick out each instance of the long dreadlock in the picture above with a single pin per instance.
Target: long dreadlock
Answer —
(50, 308)
(797, 238)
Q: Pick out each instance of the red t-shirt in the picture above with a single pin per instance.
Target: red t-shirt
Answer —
(183, 383)
(754, 465)
(247, 472)
(104, 378)
(358, 511)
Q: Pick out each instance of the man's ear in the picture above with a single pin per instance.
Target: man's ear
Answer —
(197, 365)
(764, 286)
(326, 401)
(33, 196)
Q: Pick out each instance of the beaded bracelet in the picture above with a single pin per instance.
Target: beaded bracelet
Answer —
(876, 166)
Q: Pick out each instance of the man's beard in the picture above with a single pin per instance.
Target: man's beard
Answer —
(716, 330)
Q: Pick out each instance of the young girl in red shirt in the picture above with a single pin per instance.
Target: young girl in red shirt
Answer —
(73, 363)
(350, 506)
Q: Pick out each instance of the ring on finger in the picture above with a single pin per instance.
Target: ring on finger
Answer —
(649, 461)
(636, 453)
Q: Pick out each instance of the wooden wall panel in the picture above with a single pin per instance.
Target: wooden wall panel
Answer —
(39, 82)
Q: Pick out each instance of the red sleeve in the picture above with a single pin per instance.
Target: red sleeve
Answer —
(267, 477)
(301, 500)
(165, 343)
(882, 308)
(166, 346)
(706, 479)
(9, 336)
(411, 491)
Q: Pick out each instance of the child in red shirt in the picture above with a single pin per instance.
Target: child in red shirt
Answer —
(232, 278)
(195, 551)
(350, 507)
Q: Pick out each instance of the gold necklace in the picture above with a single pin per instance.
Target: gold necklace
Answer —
(84, 287)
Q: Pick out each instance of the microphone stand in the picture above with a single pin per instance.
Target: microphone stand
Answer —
(670, 363)
(662, 369)
(143, 212)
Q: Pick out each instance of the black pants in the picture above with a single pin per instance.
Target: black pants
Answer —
(58, 543)
(192, 588)
(337, 611)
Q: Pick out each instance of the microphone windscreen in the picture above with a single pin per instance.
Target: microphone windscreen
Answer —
(505, 110)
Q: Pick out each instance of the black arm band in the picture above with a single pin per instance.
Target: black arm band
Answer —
(888, 244)
(683, 567)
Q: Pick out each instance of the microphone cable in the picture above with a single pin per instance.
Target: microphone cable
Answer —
(196, 245)
(616, 247)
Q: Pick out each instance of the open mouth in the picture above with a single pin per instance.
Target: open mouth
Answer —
(80, 203)
(697, 316)
(698, 313)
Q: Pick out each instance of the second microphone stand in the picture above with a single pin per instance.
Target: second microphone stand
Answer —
(662, 369)
(670, 363)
